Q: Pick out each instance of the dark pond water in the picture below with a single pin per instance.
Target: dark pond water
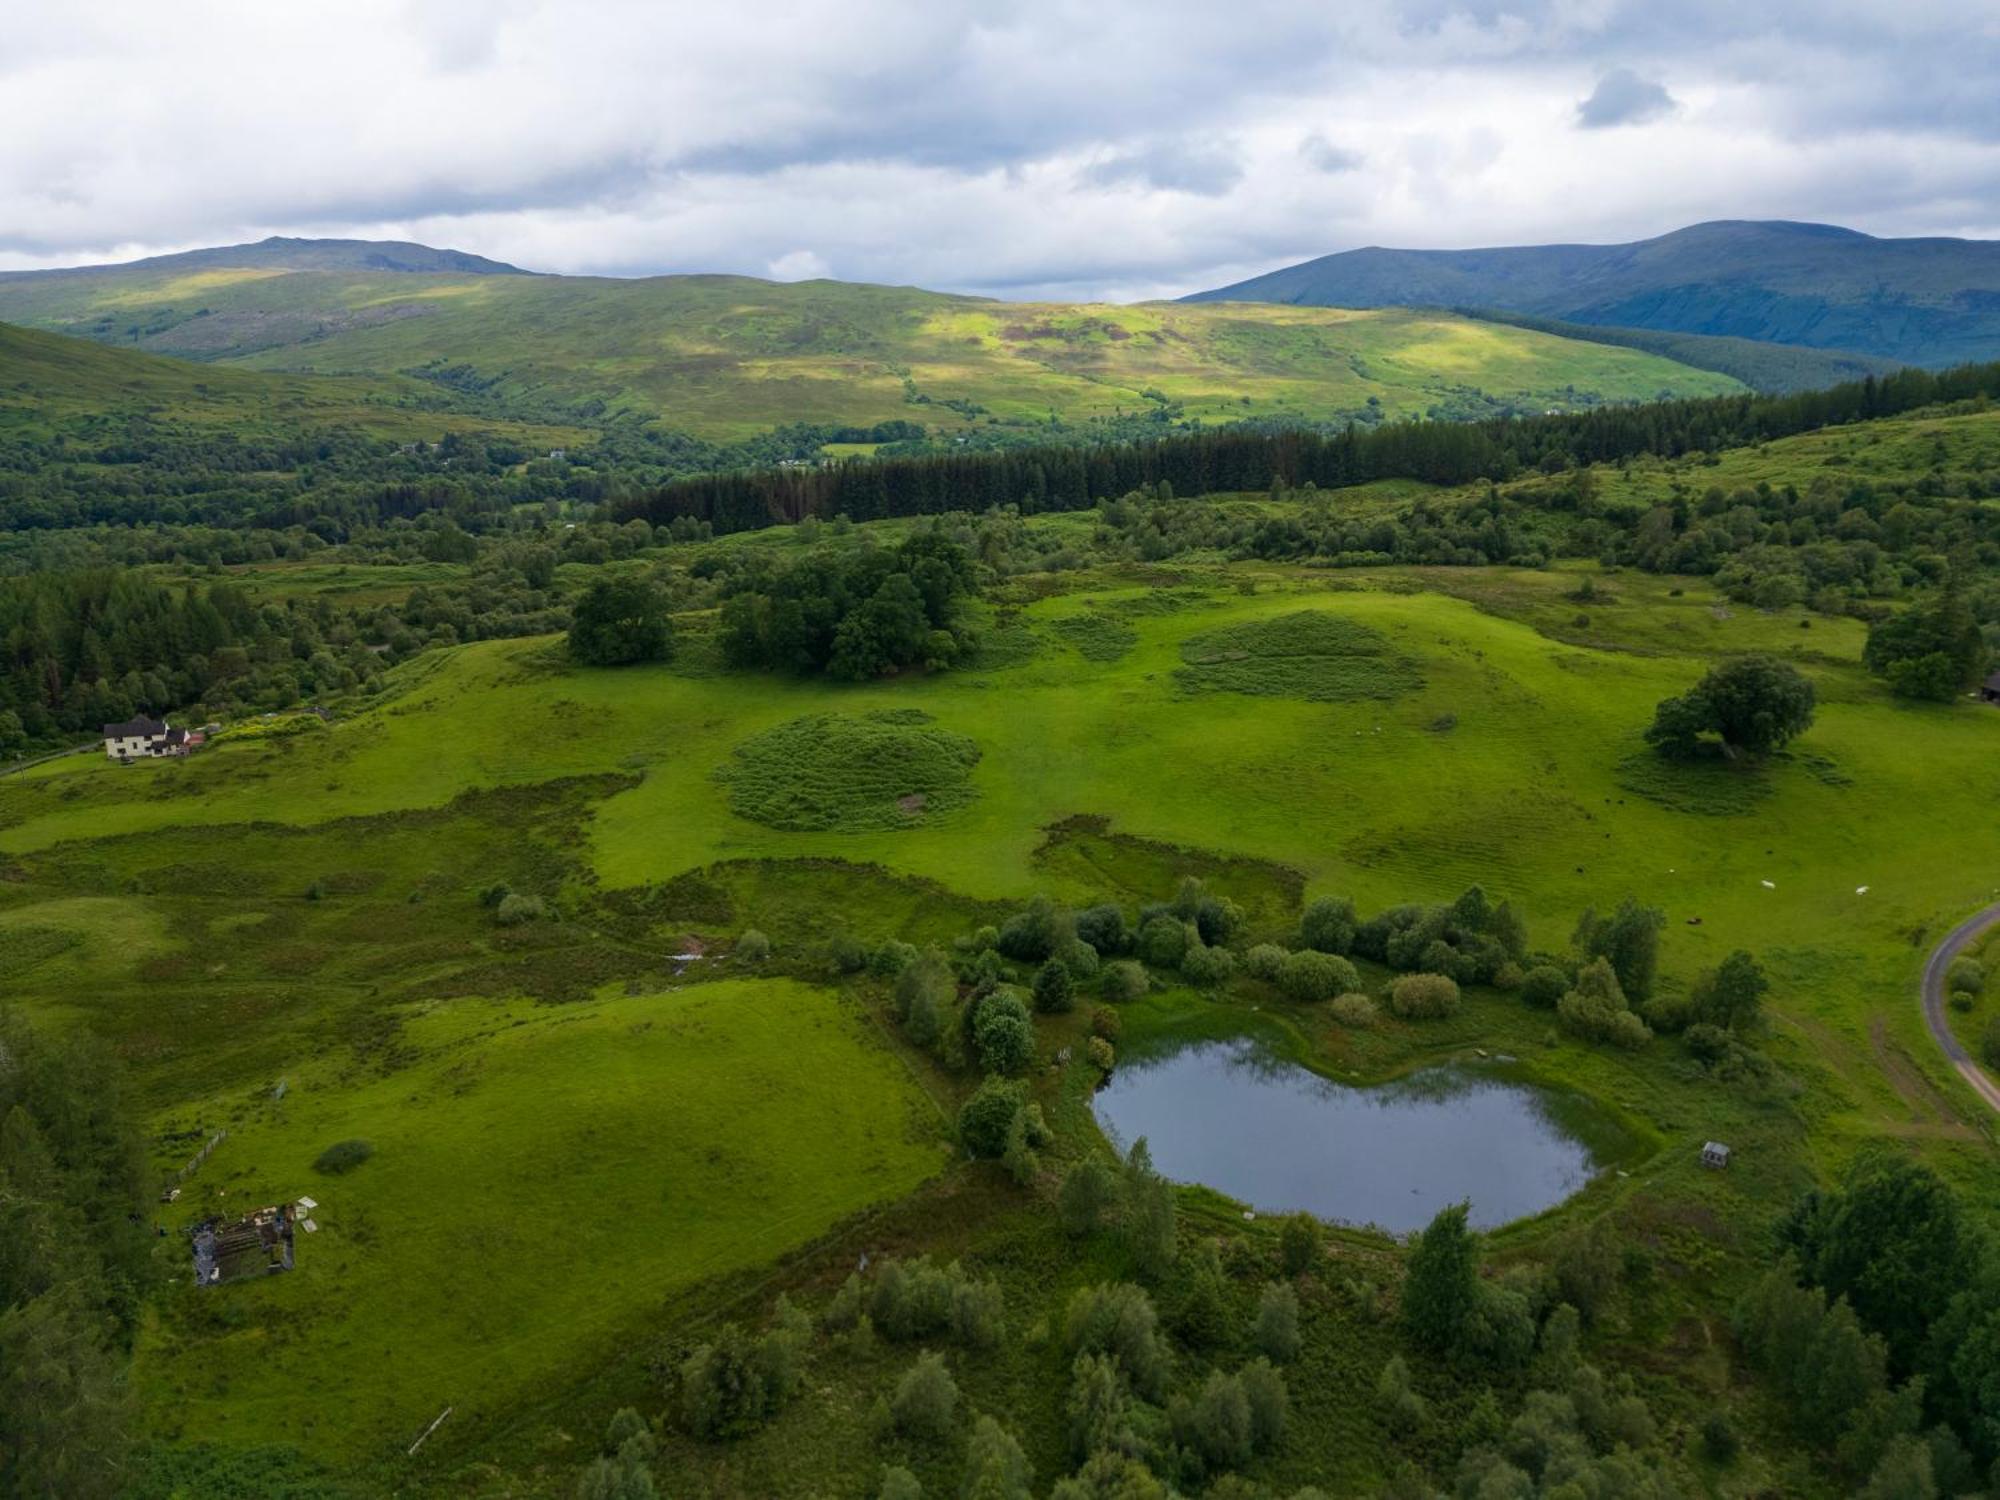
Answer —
(1277, 1136)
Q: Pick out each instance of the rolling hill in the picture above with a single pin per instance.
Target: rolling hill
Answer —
(1932, 302)
(726, 357)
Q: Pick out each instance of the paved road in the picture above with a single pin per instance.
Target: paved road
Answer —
(1959, 939)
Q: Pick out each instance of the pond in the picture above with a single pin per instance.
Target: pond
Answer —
(1239, 1117)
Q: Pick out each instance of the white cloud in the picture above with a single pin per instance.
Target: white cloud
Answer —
(799, 265)
(1116, 149)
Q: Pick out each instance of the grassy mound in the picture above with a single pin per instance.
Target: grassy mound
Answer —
(1312, 655)
(1097, 637)
(890, 769)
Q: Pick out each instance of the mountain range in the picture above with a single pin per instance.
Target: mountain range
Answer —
(1931, 302)
(726, 358)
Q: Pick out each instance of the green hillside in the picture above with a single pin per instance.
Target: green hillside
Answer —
(728, 357)
(50, 384)
(1931, 302)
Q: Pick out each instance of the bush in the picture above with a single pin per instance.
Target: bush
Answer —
(1117, 1319)
(1002, 1034)
(753, 946)
(1220, 1422)
(891, 959)
(1424, 996)
(1967, 976)
(514, 910)
(926, 1399)
(1103, 1056)
(1264, 961)
(1354, 1009)
(1105, 1023)
(1054, 992)
(1595, 1009)
(1300, 1238)
(899, 1483)
(1402, 1408)
(1206, 966)
(729, 1387)
(1329, 925)
(987, 1118)
(1088, 1193)
(1126, 980)
(1544, 985)
(1270, 1402)
(1162, 941)
(342, 1156)
(1103, 927)
(1311, 975)
(1033, 934)
(1277, 1333)
(1706, 1042)
(1077, 957)
(620, 621)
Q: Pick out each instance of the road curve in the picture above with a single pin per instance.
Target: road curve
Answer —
(1955, 943)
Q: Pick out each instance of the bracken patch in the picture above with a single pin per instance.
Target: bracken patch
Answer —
(1312, 655)
(839, 772)
(1096, 637)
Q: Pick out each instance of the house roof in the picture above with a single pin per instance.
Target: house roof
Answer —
(141, 727)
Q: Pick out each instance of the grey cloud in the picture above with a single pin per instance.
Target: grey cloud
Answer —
(1203, 168)
(1322, 155)
(1622, 97)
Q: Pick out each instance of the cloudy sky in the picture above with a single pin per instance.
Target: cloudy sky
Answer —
(1115, 148)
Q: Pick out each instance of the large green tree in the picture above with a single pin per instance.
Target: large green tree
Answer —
(1752, 705)
(1931, 650)
(1442, 1284)
(620, 621)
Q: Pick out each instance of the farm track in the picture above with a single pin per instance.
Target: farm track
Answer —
(1955, 943)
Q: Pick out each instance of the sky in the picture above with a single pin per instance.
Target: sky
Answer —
(1072, 149)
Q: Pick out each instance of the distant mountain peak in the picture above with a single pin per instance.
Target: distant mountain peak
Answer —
(1931, 302)
(290, 253)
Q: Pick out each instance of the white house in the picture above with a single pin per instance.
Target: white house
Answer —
(144, 737)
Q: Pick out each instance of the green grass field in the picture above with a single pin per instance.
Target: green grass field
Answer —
(583, 1157)
(729, 357)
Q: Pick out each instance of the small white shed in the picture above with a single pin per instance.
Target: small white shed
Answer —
(1714, 1154)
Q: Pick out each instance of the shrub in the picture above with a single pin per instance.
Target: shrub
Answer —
(730, 1386)
(1595, 1008)
(1207, 966)
(1329, 925)
(1033, 934)
(1706, 1042)
(987, 1118)
(1103, 927)
(1967, 976)
(1105, 1023)
(1718, 1439)
(753, 946)
(1054, 992)
(1544, 985)
(1077, 957)
(1270, 1403)
(1088, 1193)
(891, 959)
(899, 1483)
(1316, 976)
(847, 955)
(1126, 980)
(1402, 1408)
(1424, 996)
(1264, 961)
(926, 1399)
(1103, 1056)
(1354, 1009)
(1299, 1240)
(1118, 1319)
(1963, 1000)
(1201, 1313)
(1002, 1034)
(1277, 1332)
(1220, 1422)
(995, 1466)
(1162, 941)
(342, 1156)
(516, 909)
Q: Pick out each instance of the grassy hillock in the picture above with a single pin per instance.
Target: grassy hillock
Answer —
(726, 357)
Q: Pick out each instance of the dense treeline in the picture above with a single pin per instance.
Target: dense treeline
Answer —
(73, 1259)
(80, 650)
(1240, 458)
(856, 615)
